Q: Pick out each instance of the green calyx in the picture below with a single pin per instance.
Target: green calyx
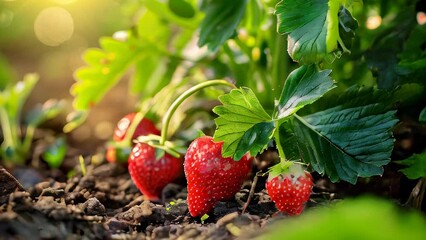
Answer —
(286, 167)
(161, 147)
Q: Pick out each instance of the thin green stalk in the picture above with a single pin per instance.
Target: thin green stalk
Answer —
(6, 126)
(280, 63)
(278, 143)
(183, 97)
(132, 128)
(29, 134)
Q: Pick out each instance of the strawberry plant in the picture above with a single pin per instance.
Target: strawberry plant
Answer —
(16, 142)
(328, 105)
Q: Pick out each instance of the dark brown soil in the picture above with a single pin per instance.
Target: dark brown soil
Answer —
(105, 204)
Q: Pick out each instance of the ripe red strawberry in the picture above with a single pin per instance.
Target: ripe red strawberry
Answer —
(145, 127)
(212, 178)
(290, 190)
(150, 174)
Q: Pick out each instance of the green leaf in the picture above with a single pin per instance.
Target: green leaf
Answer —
(345, 141)
(313, 27)
(222, 18)
(55, 153)
(399, 40)
(255, 139)
(104, 70)
(182, 8)
(13, 97)
(364, 218)
(422, 117)
(241, 119)
(416, 166)
(303, 86)
(75, 119)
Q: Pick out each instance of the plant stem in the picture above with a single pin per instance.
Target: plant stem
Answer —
(29, 134)
(181, 98)
(132, 128)
(278, 143)
(6, 126)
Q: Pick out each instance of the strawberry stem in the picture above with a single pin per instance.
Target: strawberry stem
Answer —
(183, 97)
(278, 143)
(127, 141)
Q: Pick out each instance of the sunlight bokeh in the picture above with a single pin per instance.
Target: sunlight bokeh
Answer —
(53, 26)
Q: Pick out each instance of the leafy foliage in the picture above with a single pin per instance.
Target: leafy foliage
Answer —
(303, 86)
(314, 28)
(222, 18)
(415, 166)
(243, 124)
(345, 141)
(105, 67)
(397, 54)
(16, 145)
(154, 49)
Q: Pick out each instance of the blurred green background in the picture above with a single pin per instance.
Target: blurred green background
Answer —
(48, 37)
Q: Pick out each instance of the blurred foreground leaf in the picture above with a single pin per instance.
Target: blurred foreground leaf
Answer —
(55, 153)
(364, 218)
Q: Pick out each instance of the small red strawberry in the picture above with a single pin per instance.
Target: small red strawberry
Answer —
(145, 127)
(212, 178)
(150, 174)
(291, 189)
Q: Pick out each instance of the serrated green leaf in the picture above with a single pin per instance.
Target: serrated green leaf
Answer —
(240, 118)
(222, 18)
(303, 86)
(96, 79)
(346, 141)
(313, 27)
(416, 166)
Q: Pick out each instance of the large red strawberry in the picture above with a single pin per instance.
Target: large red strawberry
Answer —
(151, 174)
(145, 127)
(291, 189)
(212, 178)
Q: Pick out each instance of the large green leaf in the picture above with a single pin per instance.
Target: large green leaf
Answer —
(314, 28)
(242, 124)
(416, 166)
(302, 87)
(222, 18)
(345, 141)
